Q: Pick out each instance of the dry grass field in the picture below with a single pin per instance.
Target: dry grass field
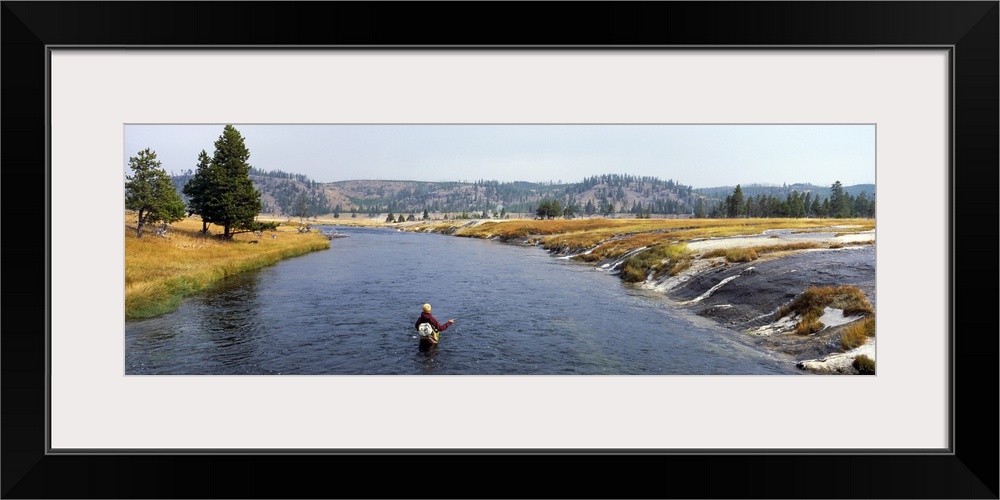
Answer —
(600, 239)
(162, 270)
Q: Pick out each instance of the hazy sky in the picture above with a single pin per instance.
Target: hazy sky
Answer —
(695, 155)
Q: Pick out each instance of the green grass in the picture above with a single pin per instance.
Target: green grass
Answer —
(669, 259)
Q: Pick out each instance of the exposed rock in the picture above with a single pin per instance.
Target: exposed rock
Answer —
(839, 363)
(746, 297)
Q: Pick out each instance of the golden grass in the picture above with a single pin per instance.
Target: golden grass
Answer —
(617, 247)
(603, 239)
(747, 254)
(857, 333)
(811, 304)
(864, 365)
(160, 271)
(809, 324)
(843, 226)
(582, 234)
(669, 259)
(522, 228)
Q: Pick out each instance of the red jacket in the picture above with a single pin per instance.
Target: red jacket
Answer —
(425, 317)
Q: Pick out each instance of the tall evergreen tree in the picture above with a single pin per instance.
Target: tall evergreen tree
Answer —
(751, 207)
(735, 206)
(232, 202)
(816, 209)
(549, 208)
(862, 206)
(150, 192)
(302, 206)
(196, 188)
(839, 204)
(699, 208)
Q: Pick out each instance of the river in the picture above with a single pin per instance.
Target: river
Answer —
(350, 310)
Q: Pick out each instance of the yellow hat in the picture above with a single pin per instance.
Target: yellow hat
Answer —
(427, 308)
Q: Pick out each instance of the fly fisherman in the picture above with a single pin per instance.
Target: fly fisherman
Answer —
(429, 334)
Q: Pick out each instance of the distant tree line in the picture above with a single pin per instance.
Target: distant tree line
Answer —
(840, 204)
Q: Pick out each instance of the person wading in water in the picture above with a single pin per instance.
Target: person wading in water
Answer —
(429, 334)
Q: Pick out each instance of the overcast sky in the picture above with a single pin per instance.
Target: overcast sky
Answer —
(695, 155)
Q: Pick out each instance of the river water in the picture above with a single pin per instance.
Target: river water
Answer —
(350, 310)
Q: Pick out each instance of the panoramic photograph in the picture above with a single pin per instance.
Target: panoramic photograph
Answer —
(499, 249)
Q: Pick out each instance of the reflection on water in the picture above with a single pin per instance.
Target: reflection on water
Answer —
(350, 310)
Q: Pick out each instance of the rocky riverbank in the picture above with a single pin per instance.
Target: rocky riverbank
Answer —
(748, 297)
(751, 297)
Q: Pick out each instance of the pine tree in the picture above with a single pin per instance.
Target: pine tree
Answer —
(196, 188)
(839, 204)
(815, 210)
(232, 200)
(150, 192)
(735, 206)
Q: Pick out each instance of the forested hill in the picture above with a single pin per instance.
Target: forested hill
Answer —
(294, 194)
(289, 194)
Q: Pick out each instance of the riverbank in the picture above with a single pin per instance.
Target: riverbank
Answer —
(742, 273)
(161, 269)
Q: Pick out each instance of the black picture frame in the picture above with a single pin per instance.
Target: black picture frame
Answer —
(969, 28)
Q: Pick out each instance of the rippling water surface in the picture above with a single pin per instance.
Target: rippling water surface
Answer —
(350, 310)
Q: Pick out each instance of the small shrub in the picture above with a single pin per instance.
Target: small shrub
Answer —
(857, 333)
(864, 365)
(812, 301)
(669, 258)
(632, 270)
(868, 325)
(852, 301)
(808, 325)
(749, 254)
(734, 254)
(741, 255)
(679, 267)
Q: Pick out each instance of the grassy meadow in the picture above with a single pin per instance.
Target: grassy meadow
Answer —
(160, 271)
(622, 235)
(660, 244)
